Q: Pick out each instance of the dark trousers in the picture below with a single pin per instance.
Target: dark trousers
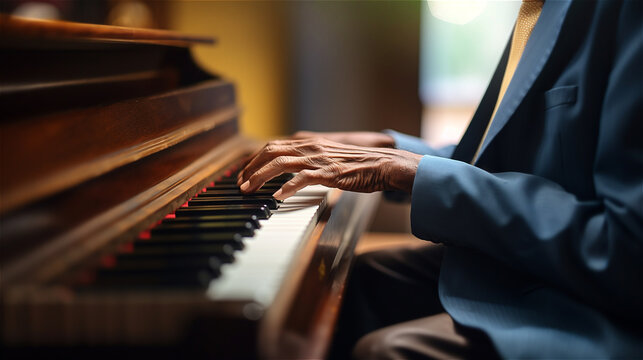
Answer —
(391, 310)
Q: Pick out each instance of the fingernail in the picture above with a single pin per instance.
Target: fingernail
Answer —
(277, 195)
(245, 185)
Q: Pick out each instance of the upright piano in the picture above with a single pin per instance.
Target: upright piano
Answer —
(122, 228)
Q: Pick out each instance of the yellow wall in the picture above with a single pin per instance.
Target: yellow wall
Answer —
(251, 51)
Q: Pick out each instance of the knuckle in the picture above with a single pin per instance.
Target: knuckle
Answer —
(308, 161)
(270, 148)
(316, 148)
(311, 145)
(256, 175)
(319, 159)
(333, 169)
(283, 162)
(290, 184)
(306, 174)
(279, 161)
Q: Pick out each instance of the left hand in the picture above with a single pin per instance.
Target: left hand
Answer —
(321, 161)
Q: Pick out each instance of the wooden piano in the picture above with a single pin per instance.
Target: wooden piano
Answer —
(122, 230)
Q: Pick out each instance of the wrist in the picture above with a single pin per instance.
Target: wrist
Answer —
(404, 170)
(385, 140)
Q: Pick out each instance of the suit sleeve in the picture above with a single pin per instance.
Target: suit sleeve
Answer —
(593, 248)
(416, 145)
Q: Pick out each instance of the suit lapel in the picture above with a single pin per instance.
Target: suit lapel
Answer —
(536, 54)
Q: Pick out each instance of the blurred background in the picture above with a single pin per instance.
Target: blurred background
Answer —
(328, 65)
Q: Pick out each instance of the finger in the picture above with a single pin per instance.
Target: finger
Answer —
(239, 177)
(244, 164)
(275, 167)
(273, 149)
(300, 181)
(248, 158)
(264, 156)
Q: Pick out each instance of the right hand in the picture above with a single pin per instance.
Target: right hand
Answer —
(322, 161)
(357, 138)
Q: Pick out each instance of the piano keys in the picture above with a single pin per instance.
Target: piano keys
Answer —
(191, 253)
(123, 229)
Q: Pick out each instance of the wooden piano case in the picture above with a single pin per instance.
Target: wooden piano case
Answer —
(104, 131)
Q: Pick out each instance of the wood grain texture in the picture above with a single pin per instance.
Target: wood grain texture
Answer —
(64, 149)
(12, 26)
(298, 325)
(75, 223)
(301, 322)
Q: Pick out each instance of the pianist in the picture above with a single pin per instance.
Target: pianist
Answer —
(537, 214)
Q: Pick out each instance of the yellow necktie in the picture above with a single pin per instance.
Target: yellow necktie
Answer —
(527, 17)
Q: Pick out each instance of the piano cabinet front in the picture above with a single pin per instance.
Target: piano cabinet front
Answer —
(224, 275)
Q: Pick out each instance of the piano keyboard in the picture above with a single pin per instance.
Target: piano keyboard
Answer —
(235, 266)
(233, 246)
(260, 268)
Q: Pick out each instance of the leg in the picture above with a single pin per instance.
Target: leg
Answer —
(433, 337)
(388, 287)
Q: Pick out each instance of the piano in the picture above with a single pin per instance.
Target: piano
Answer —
(122, 229)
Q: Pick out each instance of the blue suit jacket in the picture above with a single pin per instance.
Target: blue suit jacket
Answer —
(544, 232)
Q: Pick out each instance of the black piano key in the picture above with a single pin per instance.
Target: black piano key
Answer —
(143, 279)
(225, 252)
(132, 262)
(261, 212)
(217, 186)
(233, 239)
(235, 200)
(172, 259)
(281, 178)
(187, 251)
(215, 218)
(232, 180)
(236, 192)
(244, 228)
(226, 181)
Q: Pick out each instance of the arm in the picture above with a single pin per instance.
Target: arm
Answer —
(416, 145)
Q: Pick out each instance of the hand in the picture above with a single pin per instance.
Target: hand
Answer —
(325, 162)
(359, 138)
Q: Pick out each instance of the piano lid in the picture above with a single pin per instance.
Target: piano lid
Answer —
(13, 27)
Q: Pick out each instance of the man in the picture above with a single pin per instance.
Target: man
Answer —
(538, 210)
